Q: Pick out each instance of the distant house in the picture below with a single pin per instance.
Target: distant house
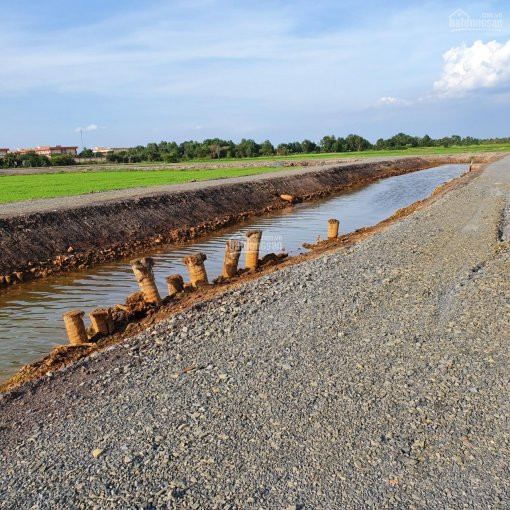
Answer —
(51, 151)
(109, 150)
(56, 151)
(3, 152)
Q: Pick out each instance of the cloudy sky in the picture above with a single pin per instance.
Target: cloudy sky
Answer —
(130, 72)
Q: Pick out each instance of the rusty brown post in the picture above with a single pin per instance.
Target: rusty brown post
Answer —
(75, 327)
(142, 269)
(252, 249)
(231, 259)
(196, 269)
(333, 228)
(175, 284)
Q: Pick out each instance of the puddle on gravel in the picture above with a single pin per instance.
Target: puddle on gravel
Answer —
(31, 314)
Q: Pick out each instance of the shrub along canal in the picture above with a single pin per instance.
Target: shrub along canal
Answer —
(31, 314)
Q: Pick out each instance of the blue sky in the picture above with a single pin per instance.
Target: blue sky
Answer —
(131, 72)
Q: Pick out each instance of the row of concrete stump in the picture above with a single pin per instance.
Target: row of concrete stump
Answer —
(101, 320)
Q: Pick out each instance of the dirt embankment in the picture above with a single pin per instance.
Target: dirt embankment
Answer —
(39, 244)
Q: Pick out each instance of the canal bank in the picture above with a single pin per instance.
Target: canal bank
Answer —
(373, 377)
(52, 236)
(35, 310)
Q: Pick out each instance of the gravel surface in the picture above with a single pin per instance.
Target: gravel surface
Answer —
(377, 377)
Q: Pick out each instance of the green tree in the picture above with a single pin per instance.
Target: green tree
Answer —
(328, 143)
(247, 148)
(308, 146)
(456, 140)
(282, 149)
(380, 144)
(426, 141)
(62, 160)
(295, 148)
(171, 157)
(31, 159)
(86, 153)
(266, 148)
(356, 143)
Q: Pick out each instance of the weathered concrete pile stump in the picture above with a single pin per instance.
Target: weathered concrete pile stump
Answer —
(231, 259)
(333, 228)
(175, 284)
(142, 269)
(252, 249)
(75, 327)
(102, 321)
(196, 269)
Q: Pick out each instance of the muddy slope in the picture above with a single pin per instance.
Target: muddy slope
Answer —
(40, 244)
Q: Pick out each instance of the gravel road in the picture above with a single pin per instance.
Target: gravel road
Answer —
(377, 377)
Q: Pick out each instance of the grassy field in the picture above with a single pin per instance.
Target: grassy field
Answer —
(407, 152)
(16, 188)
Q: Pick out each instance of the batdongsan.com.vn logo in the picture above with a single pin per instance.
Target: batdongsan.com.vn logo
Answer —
(269, 243)
(460, 20)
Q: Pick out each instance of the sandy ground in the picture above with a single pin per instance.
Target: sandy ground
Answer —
(375, 377)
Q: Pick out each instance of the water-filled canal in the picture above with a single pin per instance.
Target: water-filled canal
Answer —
(31, 314)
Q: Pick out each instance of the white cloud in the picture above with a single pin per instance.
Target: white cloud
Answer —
(468, 68)
(90, 127)
(389, 100)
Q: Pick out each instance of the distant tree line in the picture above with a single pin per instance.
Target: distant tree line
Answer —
(31, 159)
(401, 141)
(217, 148)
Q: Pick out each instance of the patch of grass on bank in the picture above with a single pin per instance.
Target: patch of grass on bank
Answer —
(17, 188)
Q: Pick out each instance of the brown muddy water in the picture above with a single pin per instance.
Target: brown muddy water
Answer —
(31, 314)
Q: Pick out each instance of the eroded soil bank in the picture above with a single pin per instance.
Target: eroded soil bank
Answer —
(41, 243)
